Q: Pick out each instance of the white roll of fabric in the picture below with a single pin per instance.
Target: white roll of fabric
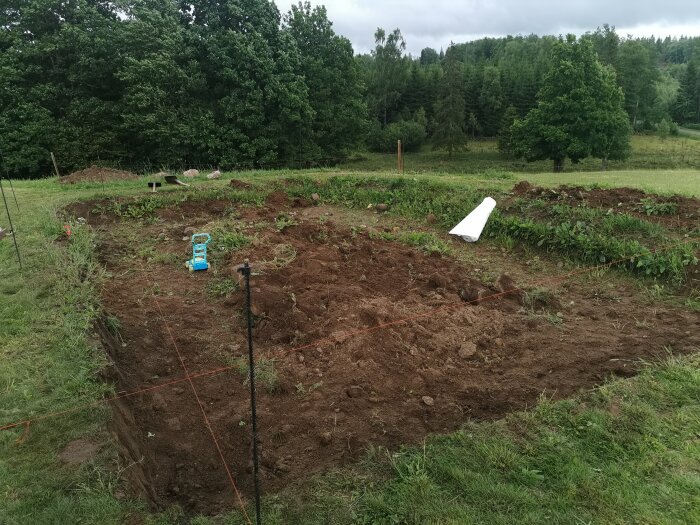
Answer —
(473, 224)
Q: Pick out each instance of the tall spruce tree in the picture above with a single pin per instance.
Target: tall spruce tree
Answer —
(688, 104)
(450, 108)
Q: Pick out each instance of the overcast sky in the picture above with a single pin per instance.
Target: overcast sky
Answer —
(435, 23)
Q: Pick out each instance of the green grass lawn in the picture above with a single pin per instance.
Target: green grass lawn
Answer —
(690, 132)
(682, 182)
(627, 452)
(649, 152)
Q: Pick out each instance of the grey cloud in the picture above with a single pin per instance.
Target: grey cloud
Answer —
(436, 22)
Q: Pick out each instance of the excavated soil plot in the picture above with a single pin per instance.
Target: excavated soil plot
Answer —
(317, 280)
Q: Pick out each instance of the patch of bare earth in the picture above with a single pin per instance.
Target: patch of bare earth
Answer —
(97, 174)
(390, 383)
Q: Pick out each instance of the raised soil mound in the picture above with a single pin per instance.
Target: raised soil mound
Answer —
(97, 174)
(686, 212)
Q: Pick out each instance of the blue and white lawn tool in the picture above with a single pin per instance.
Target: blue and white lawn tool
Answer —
(199, 253)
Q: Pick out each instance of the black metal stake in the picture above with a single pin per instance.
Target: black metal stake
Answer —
(12, 229)
(13, 193)
(9, 180)
(251, 370)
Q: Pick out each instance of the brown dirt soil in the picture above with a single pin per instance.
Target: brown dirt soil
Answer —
(79, 451)
(625, 200)
(239, 184)
(314, 282)
(97, 174)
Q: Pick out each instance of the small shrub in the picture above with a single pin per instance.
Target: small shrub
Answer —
(412, 135)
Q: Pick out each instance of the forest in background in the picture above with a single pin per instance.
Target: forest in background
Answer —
(149, 84)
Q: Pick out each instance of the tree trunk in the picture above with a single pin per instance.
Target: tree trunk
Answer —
(558, 165)
(604, 164)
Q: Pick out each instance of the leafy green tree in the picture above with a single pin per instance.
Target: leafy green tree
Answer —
(450, 108)
(578, 113)
(688, 104)
(666, 91)
(333, 81)
(428, 56)
(491, 101)
(473, 125)
(389, 73)
(57, 87)
(607, 44)
(609, 126)
(637, 74)
(505, 135)
(257, 106)
(160, 108)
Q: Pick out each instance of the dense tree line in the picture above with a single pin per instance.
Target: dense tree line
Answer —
(502, 77)
(156, 83)
(150, 84)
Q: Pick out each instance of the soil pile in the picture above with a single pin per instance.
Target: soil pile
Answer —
(97, 174)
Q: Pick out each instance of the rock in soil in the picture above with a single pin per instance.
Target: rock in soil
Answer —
(467, 350)
(505, 284)
(354, 391)
(427, 400)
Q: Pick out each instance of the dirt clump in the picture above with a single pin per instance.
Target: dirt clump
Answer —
(278, 199)
(522, 187)
(97, 174)
(239, 184)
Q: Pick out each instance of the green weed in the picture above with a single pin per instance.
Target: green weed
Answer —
(265, 373)
(284, 221)
(222, 287)
(228, 241)
(652, 207)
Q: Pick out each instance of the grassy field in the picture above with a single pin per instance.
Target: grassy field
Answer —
(627, 452)
(690, 132)
(682, 182)
(649, 152)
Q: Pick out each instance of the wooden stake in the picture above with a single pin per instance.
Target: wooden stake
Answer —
(398, 156)
(55, 166)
